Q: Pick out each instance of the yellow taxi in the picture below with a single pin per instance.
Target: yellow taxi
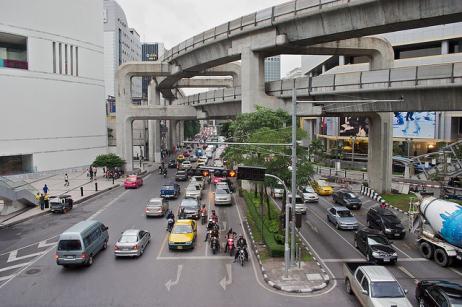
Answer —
(183, 235)
(322, 187)
(180, 158)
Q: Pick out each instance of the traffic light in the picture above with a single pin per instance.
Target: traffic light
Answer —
(251, 173)
(205, 173)
(232, 173)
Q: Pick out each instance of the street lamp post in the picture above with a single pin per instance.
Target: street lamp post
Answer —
(353, 141)
(286, 237)
(294, 172)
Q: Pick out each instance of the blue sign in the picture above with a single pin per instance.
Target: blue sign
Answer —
(414, 125)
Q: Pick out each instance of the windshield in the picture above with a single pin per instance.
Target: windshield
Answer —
(155, 203)
(386, 289)
(69, 245)
(222, 191)
(350, 195)
(374, 240)
(181, 173)
(391, 219)
(128, 239)
(167, 187)
(182, 229)
(131, 179)
(193, 188)
(189, 204)
(344, 213)
(322, 183)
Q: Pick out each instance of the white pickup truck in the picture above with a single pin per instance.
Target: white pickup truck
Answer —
(373, 285)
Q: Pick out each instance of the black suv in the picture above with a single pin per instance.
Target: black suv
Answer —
(386, 221)
(438, 293)
(62, 204)
(375, 246)
(172, 164)
(181, 175)
(347, 198)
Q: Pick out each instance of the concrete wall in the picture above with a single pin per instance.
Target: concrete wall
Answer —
(57, 118)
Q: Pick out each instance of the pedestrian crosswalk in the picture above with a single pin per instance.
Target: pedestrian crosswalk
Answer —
(12, 262)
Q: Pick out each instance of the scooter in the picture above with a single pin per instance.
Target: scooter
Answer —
(165, 173)
(215, 245)
(241, 256)
(170, 223)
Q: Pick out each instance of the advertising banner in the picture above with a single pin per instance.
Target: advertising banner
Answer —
(353, 126)
(414, 125)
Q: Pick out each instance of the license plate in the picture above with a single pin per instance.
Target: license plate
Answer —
(397, 234)
(179, 247)
(386, 260)
(69, 257)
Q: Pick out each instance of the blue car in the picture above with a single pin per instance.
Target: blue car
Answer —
(170, 190)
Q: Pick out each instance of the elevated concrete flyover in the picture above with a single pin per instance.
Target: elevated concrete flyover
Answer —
(300, 23)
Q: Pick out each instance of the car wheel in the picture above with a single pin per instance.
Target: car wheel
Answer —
(426, 250)
(441, 258)
(369, 224)
(105, 245)
(421, 302)
(337, 226)
(90, 260)
(348, 286)
(355, 243)
(369, 258)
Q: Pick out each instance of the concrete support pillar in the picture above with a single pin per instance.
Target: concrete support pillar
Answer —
(253, 82)
(128, 140)
(181, 132)
(154, 125)
(379, 165)
(172, 134)
(445, 47)
(341, 60)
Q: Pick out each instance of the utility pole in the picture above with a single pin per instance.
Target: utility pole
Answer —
(294, 172)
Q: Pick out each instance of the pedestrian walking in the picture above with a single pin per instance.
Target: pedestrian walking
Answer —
(91, 173)
(66, 180)
(45, 189)
(42, 201)
(104, 172)
(95, 170)
(46, 200)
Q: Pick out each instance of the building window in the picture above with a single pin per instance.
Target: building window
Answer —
(120, 46)
(60, 55)
(71, 49)
(76, 61)
(417, 50)
(65, 59)
(13, 51)
(54, 57)
(455, 46)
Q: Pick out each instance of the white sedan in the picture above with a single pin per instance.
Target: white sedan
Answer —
(223, 197)
(309, 195)
(186, 165)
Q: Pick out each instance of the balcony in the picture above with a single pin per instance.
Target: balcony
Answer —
(13, 51)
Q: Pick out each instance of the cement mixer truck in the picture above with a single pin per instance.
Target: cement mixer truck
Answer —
(438, 226)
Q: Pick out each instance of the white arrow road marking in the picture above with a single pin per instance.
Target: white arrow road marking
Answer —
(224, 283)
(312, 227)
(3, 278)
(44, 243)
(14, 256)
(171, 283)
(12, 267)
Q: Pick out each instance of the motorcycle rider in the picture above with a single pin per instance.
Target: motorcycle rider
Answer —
(214, 217)
(210, 227)
(170, 219)
(204, 211)
(241, 244)
(230, 235)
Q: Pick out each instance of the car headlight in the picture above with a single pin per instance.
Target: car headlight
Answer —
(395, 254)
(387, 230)
(375, 254)
(188, 243)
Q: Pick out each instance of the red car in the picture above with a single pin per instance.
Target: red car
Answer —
(217, 179)
(186, 153)
(133, 181)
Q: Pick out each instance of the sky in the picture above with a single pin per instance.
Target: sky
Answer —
(173, 21)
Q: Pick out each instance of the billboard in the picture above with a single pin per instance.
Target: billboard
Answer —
(414, 124)
(354, 126)
(329, 125)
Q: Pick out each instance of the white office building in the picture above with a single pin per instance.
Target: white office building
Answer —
(51, 84)
(121, 44)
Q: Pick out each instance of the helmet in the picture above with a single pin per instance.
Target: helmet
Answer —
(240, 236)
(210, 221)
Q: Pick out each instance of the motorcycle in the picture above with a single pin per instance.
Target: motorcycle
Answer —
(241, 256)
(214, 244)
(203, 218)
(165, 173)
(170, 223)
(230, 246)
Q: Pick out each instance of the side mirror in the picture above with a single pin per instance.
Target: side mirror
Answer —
(365, 292)
(106, 228)
(405, 291)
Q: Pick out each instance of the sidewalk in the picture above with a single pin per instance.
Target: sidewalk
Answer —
(77, 179)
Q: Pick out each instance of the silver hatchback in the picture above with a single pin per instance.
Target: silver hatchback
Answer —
(132, 243)
(156, 207)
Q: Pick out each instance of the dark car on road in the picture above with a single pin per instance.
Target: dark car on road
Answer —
(181, 175)
(61, 204)
(386, 221)
(375, 246)
(170, 190)
(348, 199)
(172, 163)
(438, 293)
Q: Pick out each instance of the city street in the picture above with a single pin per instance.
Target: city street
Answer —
(28, 272)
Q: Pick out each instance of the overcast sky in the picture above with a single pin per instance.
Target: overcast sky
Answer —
(173, 21)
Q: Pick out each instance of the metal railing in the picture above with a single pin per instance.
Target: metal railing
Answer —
(260, 19)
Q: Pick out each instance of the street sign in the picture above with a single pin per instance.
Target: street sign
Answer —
(253, 173)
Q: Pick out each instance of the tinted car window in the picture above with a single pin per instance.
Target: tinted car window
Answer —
(182, 229)
(391, 219)
(373, 240)
(359, 275)
(365, 284)
(350, 195)
(69, 245)
(386, 289)
(128, 239)
(344, 213)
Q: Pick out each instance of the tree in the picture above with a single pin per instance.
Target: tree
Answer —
(109, 160)
(317, 150)
(191, 128)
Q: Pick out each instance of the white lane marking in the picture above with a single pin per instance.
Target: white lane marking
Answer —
(29, 245)
(456, 271)
(314, 228)
(162, 247)
(12, 267)
(106, 206)
(171, 283)
(194, 258)
(26, 267)
(44, 243)
(362, 259)
(228, 279)
(402, 269)
(14, 256)
(3, 278)
(401, 251)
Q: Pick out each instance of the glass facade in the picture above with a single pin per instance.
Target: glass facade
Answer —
(273, 68)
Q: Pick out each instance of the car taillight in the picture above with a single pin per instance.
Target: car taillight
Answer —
(84, 255)
(135, 247)
(56, 256)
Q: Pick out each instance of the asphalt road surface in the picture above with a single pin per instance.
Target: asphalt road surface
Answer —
(29, 275)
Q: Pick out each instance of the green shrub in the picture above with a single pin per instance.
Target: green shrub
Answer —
(279, 238)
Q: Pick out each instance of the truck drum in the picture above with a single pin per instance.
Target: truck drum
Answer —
(426, 249)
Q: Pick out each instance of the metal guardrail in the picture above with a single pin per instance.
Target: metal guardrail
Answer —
(260, 19)
(409, 77)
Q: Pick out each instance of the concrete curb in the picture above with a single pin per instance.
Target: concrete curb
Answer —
(370, 193)
(276, 285)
